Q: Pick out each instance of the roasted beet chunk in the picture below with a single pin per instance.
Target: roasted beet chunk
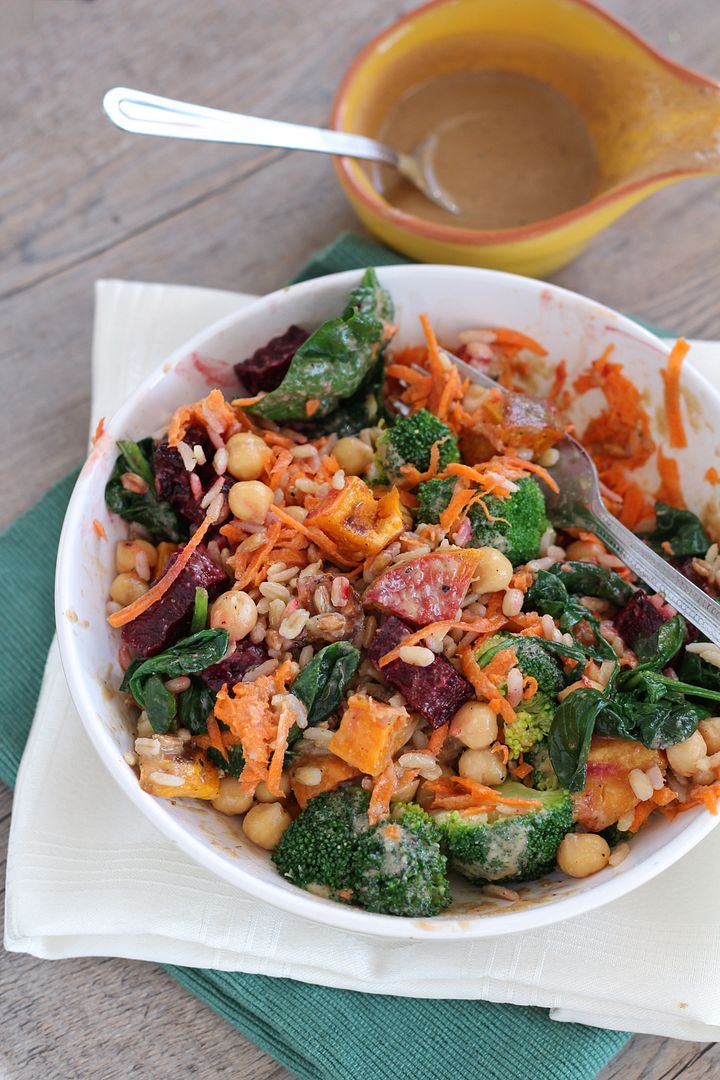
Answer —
(233, 667)
(266, 368)
(436, 692)
(638, 620)
(686, 568)
(172, 479)
(169, 618)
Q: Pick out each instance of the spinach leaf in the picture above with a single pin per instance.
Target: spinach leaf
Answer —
(160, 705)
(200, 611)
(699, 672)
(570, 735)
(559, 648)
(364, 409)
(157, 516)
(657, 651)
(235, 762)
(188, 656)
(549, 596)
(331, 365)
(681, 529)
(591, 580)
(662, 719)
(321, 683)
(194, 706)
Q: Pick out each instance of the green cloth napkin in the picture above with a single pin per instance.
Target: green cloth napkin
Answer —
(316, 1032)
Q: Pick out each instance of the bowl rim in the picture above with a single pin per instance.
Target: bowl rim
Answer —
(297, 901)
(345, 168)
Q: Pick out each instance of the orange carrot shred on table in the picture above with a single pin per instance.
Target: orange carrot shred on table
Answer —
(712, 476)
(670, 491)
(671, 378)
(99, 529)
(161, 586)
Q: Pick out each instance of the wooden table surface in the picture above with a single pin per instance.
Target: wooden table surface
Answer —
(81, 201)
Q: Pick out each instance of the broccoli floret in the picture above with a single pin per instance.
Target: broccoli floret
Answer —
(535, 716)
(498, 847)
(433, 497)
(399, 868)
(317, 848)
(517, 535)
(409, 442)
(543, 774)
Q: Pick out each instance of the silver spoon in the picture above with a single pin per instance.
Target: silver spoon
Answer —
(578, 504)
(148, 114)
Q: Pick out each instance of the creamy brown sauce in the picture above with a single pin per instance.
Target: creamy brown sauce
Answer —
(508, 149)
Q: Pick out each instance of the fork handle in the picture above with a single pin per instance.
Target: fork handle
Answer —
(150, 114)
(697, 607)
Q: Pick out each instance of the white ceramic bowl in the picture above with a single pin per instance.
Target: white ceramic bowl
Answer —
(572, 328)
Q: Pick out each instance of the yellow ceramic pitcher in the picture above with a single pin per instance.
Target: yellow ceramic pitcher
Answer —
(653, 122)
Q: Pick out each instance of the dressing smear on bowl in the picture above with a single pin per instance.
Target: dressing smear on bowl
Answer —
(508, 149)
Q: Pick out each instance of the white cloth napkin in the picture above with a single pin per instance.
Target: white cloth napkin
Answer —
(88, 875)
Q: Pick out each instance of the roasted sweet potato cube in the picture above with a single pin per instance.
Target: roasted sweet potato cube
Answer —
(531, 422)
(607, 794)
(333, 772)
(188, 776)
(358, 523)
(369, 734)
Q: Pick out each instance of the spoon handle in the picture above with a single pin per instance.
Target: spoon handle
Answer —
(148, 114)
(698, 608)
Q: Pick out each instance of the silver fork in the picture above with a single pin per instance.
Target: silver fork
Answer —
(578, 504)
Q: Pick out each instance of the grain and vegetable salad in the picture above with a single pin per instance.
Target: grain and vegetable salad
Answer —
(347, 620)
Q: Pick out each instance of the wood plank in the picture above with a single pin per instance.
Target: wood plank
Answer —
(81, 201)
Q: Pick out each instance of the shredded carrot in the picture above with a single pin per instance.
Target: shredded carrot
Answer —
(497, 669)
(161, 586)
(437, 740)
(460, 501)
(382, 793)
(99, 431)
(480, 626)
(414, 476)
(459, 786)
(501, 750)
(643, 811)
(712, 476)
(213, 404)
(311, 406)
(521, 770)
(663, 796)
(671, 378)
(504, 336)
(484, 688)
(529, 687)
(283, 461)
(215, 736)
(314, 535)
(286, 719)
(246, 402)
(257, 559)
(670, 490)
(99, 529)
(635, 506)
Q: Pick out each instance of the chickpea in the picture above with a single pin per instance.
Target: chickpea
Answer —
(126, 588)
(264, 795)
(232, 799)
(235, 612)
(493, 573)
(250, 500)
(475, 725)
(406, 793)
(353, 455)
(248, 456)
(482, 766)
(582, 854)
(126, 551)
(686, 758)
(710, 731)
(584, 550)
(265, 823)
(297, 512)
